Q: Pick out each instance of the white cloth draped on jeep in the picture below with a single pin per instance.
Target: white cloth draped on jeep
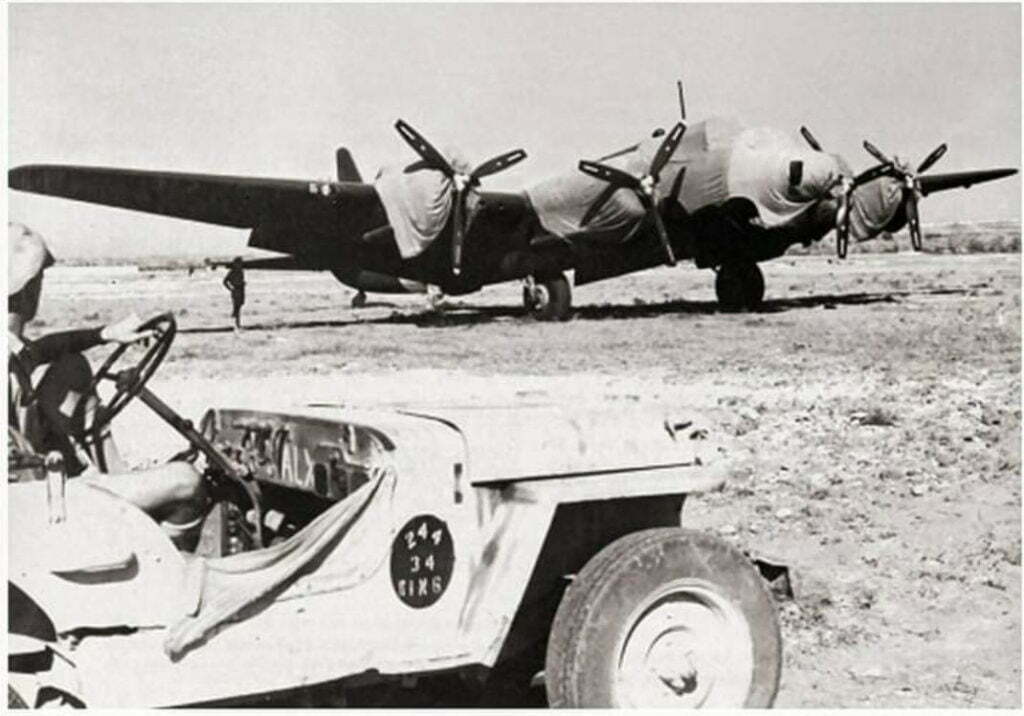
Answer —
(418, 201)
(337, 550)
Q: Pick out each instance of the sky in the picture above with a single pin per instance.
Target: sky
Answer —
(272, 90)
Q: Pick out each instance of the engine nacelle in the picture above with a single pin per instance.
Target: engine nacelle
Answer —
(373, 282)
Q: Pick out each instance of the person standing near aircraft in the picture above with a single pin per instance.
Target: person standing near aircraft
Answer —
(235, 283)
(51, 413)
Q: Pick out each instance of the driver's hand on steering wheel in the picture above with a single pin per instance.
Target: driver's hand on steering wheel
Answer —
(125, 331)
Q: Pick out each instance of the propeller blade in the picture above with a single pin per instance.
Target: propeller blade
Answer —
(457, 232)
(682, 104)
(913, 221)
(422, 147)
(843, 225)
(498, 164)
(667, 149)
(932, 158)
(806, 133)
(659, 225)
(876, 153)
(872, 173)
(613, 176)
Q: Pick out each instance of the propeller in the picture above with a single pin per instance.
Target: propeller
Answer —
(843, 213)
(911, 185)
(806, 133)
(461, 181)
(847, 187)
(644, 187)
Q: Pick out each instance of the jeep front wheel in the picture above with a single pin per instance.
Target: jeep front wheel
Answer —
(666, 617)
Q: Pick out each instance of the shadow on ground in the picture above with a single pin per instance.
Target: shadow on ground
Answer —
(467, 315)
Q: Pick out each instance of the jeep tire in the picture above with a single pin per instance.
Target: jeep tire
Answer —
(665, 617)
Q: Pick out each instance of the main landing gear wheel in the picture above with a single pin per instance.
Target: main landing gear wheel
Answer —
(739, 287)
(666, 617)
(548, 299)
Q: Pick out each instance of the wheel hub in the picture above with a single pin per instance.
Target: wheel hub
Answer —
(541, 297)
(686, 646)
(535, 295)
(671, 659)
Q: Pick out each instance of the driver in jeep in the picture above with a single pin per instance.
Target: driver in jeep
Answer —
(55, 411)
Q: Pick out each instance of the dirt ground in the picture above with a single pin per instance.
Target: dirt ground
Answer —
(875, 407)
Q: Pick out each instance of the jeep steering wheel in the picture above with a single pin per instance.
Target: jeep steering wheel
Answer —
(130, 381)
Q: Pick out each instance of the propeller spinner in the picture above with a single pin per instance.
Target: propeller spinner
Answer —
(461, 181)
(644, 187)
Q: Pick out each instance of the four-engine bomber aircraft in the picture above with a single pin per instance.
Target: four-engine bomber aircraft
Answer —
(714, 192)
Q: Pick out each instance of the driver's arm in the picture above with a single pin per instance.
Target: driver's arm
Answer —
(51, 347)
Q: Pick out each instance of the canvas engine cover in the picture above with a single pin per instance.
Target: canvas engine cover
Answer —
(418, 201)
(722, 160)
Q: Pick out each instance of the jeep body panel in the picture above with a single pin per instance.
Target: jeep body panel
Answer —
(365, 608)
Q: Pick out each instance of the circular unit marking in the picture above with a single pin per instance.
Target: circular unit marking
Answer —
(422, 559)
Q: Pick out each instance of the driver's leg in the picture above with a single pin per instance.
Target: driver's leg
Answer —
(172, 493)
(64, 401)
(174, 489)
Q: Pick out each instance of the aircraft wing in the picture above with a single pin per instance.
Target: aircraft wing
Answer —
(276, 263)
(931, 183)
(242, 202)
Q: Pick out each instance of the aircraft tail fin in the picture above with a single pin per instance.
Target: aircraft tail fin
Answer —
(347, 170)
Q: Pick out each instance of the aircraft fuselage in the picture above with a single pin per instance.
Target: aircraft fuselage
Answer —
(506, 242)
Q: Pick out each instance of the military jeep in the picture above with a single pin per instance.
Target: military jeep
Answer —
(372, 557)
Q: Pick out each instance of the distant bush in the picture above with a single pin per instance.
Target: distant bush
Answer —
(148, 263)
(990, 237)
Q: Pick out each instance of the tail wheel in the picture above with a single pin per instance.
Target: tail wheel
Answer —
(548, 299)
(666, 617)
(740, 287)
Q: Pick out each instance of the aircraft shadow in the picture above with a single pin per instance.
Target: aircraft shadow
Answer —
(468, 315)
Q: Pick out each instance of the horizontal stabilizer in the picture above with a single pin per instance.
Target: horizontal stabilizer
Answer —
(214, 199)
(931, 183)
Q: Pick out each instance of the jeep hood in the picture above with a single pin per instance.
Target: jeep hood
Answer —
(521, 443)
